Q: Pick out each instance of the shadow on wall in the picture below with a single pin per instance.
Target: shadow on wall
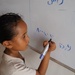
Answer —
(1, 51)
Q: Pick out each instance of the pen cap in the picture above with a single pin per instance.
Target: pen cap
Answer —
(44, 52)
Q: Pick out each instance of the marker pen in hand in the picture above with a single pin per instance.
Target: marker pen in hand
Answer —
(45, 50)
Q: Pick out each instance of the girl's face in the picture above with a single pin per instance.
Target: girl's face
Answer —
(21, 40)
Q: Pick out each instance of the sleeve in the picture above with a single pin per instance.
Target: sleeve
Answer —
(21, 69)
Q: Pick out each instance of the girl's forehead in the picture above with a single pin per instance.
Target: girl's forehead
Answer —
(21, 27)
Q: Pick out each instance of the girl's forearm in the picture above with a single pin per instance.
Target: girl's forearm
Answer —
(44, 64)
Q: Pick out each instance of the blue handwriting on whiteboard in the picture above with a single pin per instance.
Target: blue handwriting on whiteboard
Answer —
(66, 47)
(50, 2)
(46, 34)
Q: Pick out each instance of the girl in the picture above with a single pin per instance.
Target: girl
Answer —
(13, 36)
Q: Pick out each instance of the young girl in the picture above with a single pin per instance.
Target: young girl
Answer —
(13, 36)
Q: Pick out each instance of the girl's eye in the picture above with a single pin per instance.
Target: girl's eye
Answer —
(24, 36)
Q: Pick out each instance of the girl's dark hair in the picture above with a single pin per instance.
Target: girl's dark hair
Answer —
(8, 23)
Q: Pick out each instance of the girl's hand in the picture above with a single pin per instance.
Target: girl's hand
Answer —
(52, 45)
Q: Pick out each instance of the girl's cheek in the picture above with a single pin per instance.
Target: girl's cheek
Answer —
(27, 38)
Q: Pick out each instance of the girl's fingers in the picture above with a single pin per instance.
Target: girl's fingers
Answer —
(45, 43)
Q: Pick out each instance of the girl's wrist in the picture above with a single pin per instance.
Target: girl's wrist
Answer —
(49, 52)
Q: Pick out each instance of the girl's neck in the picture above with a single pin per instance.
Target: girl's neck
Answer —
(13, 53)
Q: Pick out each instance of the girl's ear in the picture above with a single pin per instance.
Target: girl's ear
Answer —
(7, 44)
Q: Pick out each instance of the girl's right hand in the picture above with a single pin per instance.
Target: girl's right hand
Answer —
(52, 45)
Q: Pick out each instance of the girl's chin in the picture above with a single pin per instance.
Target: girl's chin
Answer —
(26, 47)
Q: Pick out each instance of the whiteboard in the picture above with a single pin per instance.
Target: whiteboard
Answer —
(54, 19)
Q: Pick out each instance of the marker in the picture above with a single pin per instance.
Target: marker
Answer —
(45, 50)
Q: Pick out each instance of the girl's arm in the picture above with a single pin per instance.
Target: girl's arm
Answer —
(44, 63)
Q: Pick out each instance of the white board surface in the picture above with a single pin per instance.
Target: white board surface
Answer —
(54, 19)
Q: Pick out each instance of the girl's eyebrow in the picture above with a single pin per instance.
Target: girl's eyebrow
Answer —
(24, 33)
